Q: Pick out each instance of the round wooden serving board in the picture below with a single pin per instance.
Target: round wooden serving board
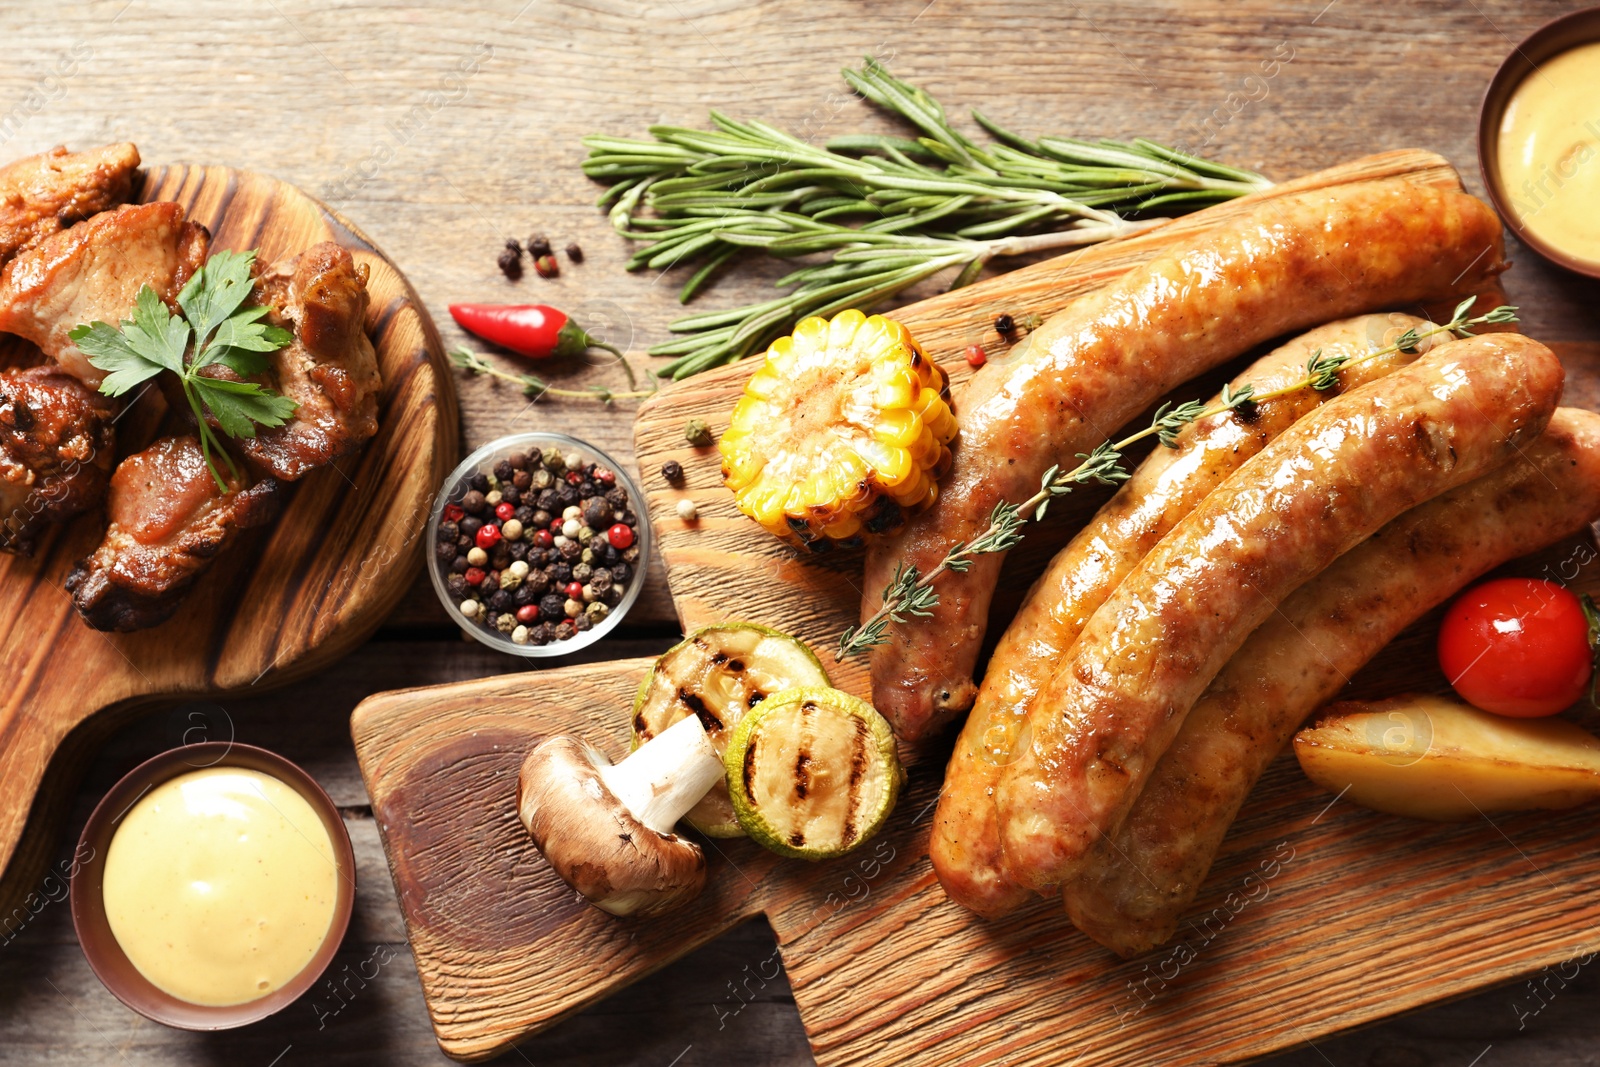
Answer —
(1362, 915)
(283, 601)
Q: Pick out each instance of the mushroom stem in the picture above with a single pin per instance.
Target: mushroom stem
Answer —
(667, 775)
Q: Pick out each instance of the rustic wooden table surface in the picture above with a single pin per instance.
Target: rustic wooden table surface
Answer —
(444, 130)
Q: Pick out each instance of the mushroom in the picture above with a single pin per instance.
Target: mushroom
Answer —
(607, 828)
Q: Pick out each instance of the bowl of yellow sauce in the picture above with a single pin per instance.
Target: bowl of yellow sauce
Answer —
(1539, 141)
(217, 886)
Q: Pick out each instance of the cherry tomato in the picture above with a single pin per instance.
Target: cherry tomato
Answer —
(1517, 646)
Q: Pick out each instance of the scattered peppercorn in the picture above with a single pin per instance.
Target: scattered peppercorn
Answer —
(538, 245)
(574, 253)
(697, 433)
(511, 264)
(1005, 325)
(547, 266)
(976, 356)
(687, 511)
(672, 471)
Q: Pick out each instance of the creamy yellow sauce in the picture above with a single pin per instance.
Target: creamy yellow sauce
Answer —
(1549, 153)
(220, 885)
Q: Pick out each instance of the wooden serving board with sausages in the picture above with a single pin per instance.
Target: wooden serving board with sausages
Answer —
(283, 602)
(1317, 915)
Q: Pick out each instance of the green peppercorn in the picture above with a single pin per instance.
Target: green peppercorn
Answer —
(697, 433)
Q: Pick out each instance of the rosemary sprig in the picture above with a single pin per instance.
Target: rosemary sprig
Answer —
(533, 386)
(910, 592)
(939, 202)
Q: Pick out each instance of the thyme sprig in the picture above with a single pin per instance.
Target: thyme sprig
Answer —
(533, 386)
(936, 203)
(910, 592)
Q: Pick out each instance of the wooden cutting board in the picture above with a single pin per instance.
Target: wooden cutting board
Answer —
(1351, 915)
(283, 602)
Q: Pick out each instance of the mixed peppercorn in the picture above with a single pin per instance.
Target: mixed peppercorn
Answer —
(541, 548)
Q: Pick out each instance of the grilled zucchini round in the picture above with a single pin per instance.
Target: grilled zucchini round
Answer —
(718, 673)
(813, 772)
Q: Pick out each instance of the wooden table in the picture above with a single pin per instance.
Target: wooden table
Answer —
(444, 131)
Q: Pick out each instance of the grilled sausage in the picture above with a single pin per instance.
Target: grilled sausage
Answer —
(1289, 264)
(1326, 484)
(1135, 886)
(965, 847)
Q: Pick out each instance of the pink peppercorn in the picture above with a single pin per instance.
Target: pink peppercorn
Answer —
(474, 575)
(504, 511)
(620, 536)
(488, 536)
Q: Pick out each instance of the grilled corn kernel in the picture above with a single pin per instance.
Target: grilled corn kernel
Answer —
(842, 431)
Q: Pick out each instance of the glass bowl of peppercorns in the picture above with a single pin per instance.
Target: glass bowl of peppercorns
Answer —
(539, 544)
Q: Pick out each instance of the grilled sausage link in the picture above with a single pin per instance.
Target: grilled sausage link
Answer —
(1326, 484)
(1135, 886)
(1289, 264)
(965, 847)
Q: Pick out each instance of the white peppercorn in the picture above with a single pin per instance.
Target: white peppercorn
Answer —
(470, 608)
(511, 530)
(476, 556)
(687, 511)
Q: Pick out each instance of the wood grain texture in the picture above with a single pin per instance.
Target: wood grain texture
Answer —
(884, 968)
(284, 601)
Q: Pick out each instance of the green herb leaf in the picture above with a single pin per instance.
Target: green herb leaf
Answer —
(216, 291)
(240, 406)
(109, 351)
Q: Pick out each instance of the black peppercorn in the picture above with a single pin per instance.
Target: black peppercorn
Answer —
(460, 565)
(513, 245)
(570, 550)
(479, 481)
(518, 549)
(610, 554)
(617, 497)
(522, 479)
(575, 253)
(1004, 325)
(620, 572)
(503, 471)
(500, 558)
(672, 471)
(449, 531)
(538, 581)
(549, 501)
(538, 245)
(510, 494)
(473, 503)
(566, 496)
(464, 543)
(458, 587)
(561, 573)
(445, 551)
(470, 525)
(501, 601)
(588, 487)
(595, 513)
(525, 514)
(510, 264)
(582, 623)
(600, 579)
(552, 606)
(612, 597)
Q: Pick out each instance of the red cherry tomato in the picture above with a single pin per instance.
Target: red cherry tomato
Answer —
(1517, 646)
(620, 535)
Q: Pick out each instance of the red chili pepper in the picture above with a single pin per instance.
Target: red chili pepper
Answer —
(533, 330)
(454, 513)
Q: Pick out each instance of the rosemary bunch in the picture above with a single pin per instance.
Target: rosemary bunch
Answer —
(922, 206)
(911, 592)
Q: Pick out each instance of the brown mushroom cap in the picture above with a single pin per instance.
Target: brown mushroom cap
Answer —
(593, 841)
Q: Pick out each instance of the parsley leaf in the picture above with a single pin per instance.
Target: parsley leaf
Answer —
(215, 328)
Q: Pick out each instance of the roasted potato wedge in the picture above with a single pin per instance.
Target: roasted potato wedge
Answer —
(1431, 757)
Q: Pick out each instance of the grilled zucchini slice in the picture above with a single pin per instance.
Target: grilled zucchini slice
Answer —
(718, 673)
(842, 432)
(813, 772)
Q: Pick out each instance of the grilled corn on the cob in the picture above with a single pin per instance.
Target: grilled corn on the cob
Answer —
(843, 431)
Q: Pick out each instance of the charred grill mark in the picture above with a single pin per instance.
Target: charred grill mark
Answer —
(756, 697)
(802, 774)
(858, 770)
(707, 717)
(640, 727)
(736, 666)
(748, 771)
(718, 658)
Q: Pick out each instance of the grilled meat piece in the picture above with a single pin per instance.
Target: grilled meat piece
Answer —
(94, 271)
(168, 521)
(55, 451)
(42, 194)
(330, 370)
